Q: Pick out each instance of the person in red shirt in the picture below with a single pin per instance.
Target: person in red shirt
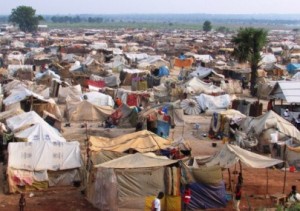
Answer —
(186, 197)
(118, 102)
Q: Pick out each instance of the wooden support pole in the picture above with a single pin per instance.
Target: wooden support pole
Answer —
(284, 166)
(267, 188)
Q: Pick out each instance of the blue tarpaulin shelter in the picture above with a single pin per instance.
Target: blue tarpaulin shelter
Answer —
(163, 70)
(206, 196)
(292, 68)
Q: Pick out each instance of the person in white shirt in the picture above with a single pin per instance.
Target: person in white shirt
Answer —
(286, 113)
(294, 196)
(156, 202)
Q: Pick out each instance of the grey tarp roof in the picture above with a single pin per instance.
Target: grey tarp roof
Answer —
(230, 155)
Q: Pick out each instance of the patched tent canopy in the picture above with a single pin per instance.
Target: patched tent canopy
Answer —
(230, 155)
(86, 111)
(270, 120)
(141, 141)
(138, 160)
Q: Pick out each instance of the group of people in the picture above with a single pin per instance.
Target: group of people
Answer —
(186, 199)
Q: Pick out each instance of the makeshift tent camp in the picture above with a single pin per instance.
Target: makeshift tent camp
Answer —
(125, 116)
(98, 99)
(29, 99)
(141, 141)
(31, 127)
(171, 116)
(40, 132)
(10, 113)
(30, 164)
(131, 182)
(230, 155)
(195, 86)
(190, 107)
(23, 120)
(207, 186)
(267, 123)
(286, 90)
(126, 75)
(220, 122)
(64, 92)
(86, 111)
(202, 72)
(292, 68)
(209, 102)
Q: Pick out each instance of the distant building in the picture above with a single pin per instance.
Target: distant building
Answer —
(42, 27)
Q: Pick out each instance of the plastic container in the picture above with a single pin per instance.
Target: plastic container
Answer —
(292, 169)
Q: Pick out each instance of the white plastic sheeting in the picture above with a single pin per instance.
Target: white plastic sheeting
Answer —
(213, 102)
(99, 99)
(195, 86)
(41, 132)
(23, 120)
(38, 156)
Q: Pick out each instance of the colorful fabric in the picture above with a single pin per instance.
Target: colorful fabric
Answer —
(183, 62)
(132, 100)
(99, 84)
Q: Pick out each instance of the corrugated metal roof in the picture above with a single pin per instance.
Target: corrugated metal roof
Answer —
(287, 90)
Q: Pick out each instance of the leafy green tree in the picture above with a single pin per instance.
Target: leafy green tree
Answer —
(248, 44)
(207, 26)
(25, 17)
(223, 29)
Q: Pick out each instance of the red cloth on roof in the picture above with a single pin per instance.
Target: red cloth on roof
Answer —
(132, 100)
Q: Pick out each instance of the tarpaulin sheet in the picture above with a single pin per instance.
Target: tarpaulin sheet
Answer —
(207, 196)
(163, 128)
(98, 84)
(229, 155)
(183, 62)
(38, 156)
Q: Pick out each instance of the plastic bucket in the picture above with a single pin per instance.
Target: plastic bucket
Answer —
(292, 169)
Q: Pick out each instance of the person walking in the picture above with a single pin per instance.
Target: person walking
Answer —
(156, 205)
(186, 197)
(237, 197)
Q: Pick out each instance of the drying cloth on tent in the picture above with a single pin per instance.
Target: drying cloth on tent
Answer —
(97, 84)
(132, 99)
(163, 128)
(207, 196)
(183, 62)
(142, 85)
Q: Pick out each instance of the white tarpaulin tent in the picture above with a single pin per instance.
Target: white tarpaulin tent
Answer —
(270, 120)
(196, 86)
(230, 155)
(213, 102)
(202, 72)
(20, 94)
(38, 156)
(25, 119)
(40, 132)
(99, 99)
(64, 92)
(138, 160)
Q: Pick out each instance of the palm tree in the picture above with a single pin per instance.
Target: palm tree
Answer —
(248, 44)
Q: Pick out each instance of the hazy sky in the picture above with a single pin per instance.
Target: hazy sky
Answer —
(155, 6)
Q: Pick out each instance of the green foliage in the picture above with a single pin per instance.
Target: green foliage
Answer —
(248, 44)
(25, 17)
(294, 207)
(207, 26)
(223, 29)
